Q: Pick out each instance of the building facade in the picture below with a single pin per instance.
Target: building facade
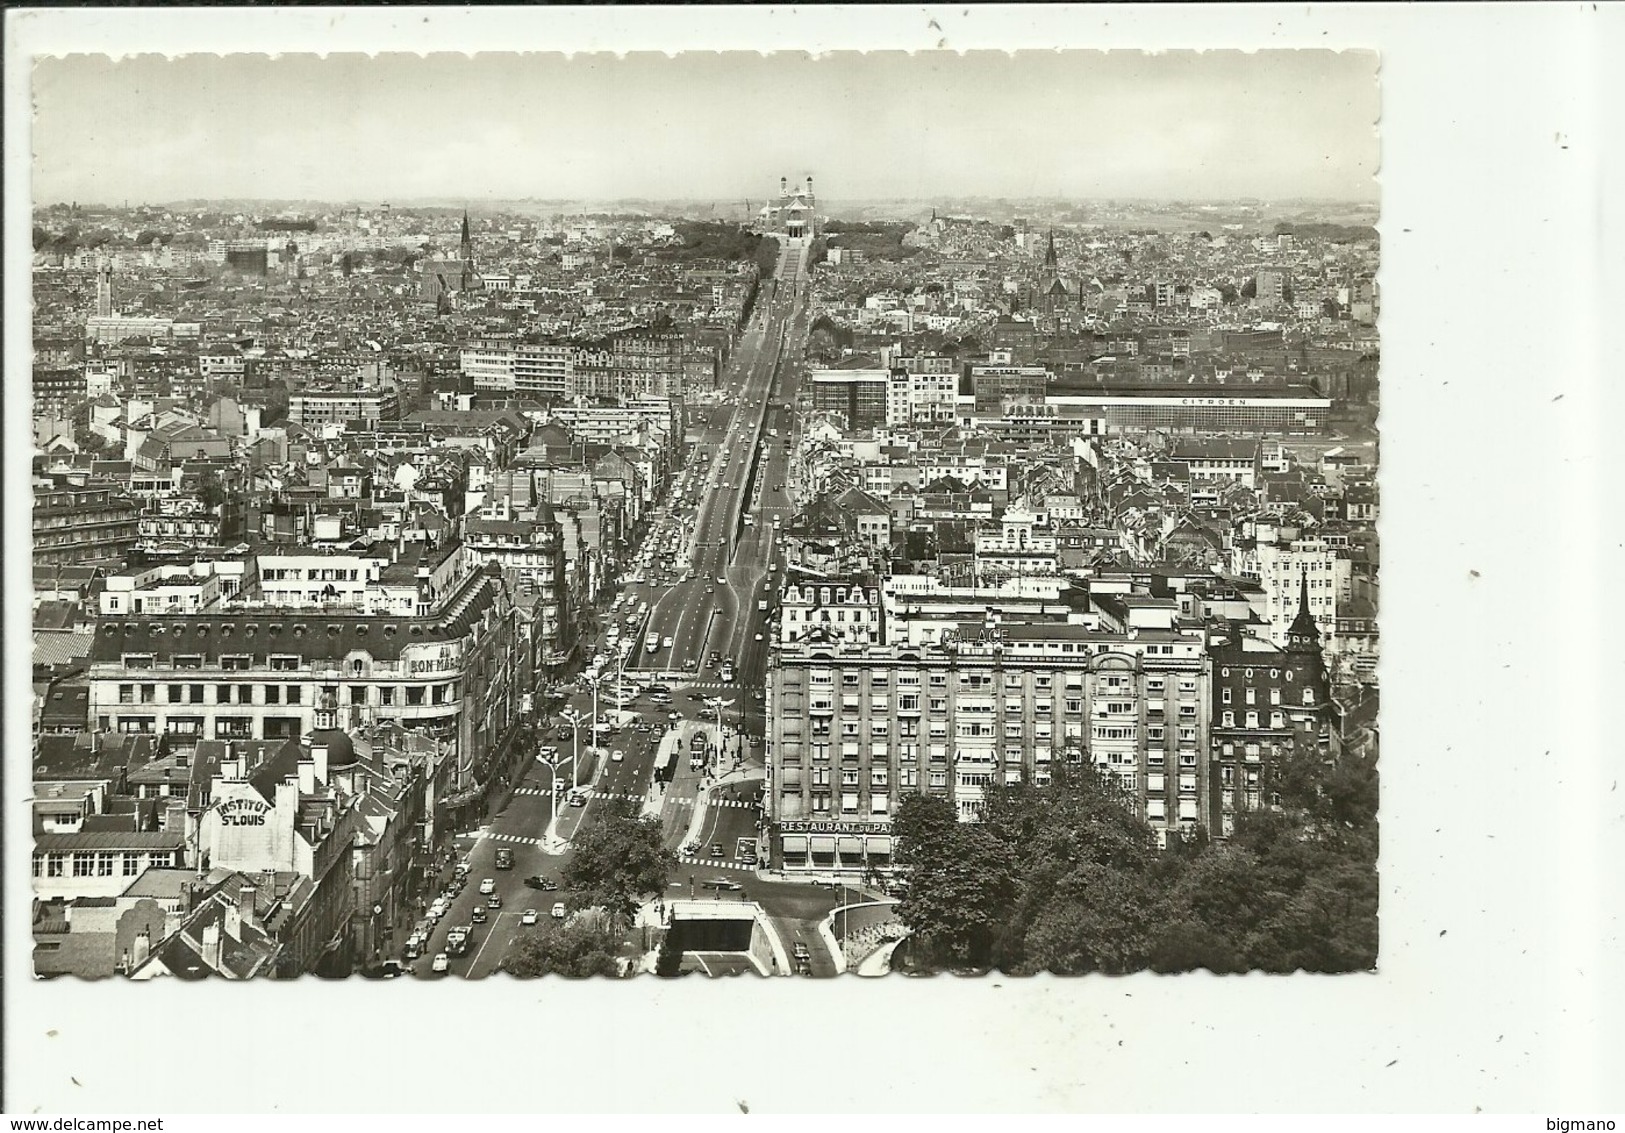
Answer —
(83, 523)
(877, 707)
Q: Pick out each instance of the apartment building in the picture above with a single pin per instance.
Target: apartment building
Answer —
(1237, 459)
(1280, 565)
(356, 406)
(919, 398)
(77, 523)
(870, 705)
(1270, 706)
(452, 672)
(542, 370)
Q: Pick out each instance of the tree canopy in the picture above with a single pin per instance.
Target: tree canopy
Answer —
(578, 948)
(1065, 878)
(617, 862)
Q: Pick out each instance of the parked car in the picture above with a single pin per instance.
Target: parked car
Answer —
(528, 917)
(558, 910)
(542, 883)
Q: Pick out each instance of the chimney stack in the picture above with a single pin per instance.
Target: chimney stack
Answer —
(245, 902)
(141, 949)
(211, 947)
(307, 777)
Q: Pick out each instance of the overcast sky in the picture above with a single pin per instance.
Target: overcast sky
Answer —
(401, 127)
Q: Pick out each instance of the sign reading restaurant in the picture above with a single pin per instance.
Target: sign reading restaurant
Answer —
(831, 826)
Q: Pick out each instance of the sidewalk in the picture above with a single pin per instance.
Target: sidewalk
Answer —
(702, 800)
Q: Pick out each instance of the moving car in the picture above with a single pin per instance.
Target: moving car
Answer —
(478, 915)
(504, 859)
(723, 884)
(442, 962)
(488, 886)
(494, 900)
(666, 644)
(457, 941)
(617, 756)
(558, 910)
(716, 849)
(528, 917)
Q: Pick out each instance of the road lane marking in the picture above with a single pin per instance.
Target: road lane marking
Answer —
(480, 951)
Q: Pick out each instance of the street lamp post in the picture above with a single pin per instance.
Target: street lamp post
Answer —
(718, 704)
(574, 718)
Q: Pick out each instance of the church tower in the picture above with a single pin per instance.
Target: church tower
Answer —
(465, 253)
(104, 288)
(1303, 635)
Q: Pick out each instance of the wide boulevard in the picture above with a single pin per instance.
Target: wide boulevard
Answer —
(707, 577)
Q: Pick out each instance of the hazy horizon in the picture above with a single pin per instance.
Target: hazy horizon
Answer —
(1073, 126)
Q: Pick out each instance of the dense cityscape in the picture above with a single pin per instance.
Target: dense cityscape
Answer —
(757, 586)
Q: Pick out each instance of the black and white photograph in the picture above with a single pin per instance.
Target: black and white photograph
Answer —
(798, 537)
(505, 549)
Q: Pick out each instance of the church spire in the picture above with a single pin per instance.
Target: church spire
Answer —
(1049, 256)
(1303, 633)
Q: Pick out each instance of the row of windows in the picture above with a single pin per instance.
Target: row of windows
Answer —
(880, 679)
(101, 863)
(908, 751)
(243, 694)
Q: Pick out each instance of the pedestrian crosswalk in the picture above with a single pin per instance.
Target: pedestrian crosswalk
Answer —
(511, 839)
(593, 794)
(730, 802)
(720, 686)
(711, 863)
